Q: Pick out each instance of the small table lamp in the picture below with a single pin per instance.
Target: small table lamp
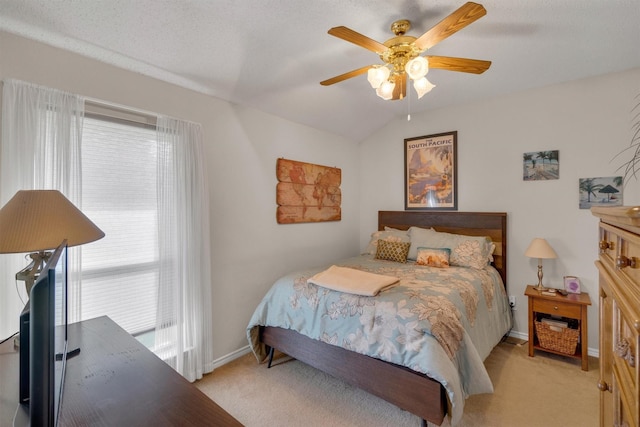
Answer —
(39, 220)
(539, 248)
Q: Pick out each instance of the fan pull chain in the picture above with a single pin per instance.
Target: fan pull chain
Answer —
(408, 105)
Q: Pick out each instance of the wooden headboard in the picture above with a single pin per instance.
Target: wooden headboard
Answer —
(490, 224)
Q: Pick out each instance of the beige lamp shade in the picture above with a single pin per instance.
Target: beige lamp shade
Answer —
(38, 220)
(539, 248)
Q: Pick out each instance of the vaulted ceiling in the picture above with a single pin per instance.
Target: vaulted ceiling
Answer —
(272, 54)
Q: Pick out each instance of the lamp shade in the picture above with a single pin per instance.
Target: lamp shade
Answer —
(417, 68)
(37, 220)
(539, 248)
(385, 91)
(376, 75)
(422, 86)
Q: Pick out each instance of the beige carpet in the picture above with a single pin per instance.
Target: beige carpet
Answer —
(543, 391)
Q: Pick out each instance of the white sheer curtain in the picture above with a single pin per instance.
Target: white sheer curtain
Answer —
(41, 137)
(183, 330)
(41, 146)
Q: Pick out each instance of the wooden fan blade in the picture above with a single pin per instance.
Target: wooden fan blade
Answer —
(345, 76)
(400, 90)
(465, 65)
(354, 37)
(465, 15)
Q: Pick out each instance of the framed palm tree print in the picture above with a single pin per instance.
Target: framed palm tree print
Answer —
(600, 191)
(541, 165)
(430, 172)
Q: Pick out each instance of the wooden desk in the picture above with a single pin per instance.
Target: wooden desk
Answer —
(115, 381)
(572, 306)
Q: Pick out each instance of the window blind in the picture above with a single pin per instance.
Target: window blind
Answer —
(119, 194)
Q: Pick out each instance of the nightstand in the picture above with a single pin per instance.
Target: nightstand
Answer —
(572, 307)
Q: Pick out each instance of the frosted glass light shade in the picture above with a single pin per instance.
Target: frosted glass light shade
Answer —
(385, 91)
(376, 75)
(417, 68)
(37, 220)
(422, 86)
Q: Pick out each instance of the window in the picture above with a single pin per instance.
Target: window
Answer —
(119, 194)
(145, 186)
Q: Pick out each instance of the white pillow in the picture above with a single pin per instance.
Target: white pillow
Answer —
(390, 235)
(420, 237)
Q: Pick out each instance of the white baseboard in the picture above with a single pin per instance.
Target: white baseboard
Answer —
(594, 352)
(519, 335)
(231, 357)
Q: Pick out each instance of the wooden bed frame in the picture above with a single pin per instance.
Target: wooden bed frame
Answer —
(407, 389)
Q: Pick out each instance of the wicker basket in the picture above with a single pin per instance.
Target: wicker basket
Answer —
(563, 341)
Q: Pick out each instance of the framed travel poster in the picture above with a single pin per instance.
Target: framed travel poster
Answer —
(430, 172)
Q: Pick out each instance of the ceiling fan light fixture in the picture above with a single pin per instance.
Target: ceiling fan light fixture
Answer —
(422, 86)
(401, 54)
(385, 91)
(377, 74)
(417, 67)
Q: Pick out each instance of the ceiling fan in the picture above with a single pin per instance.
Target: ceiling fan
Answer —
(401, 54)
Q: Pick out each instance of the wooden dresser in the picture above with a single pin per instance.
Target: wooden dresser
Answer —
(619, 271)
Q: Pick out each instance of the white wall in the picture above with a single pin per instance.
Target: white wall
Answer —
(249, 249)
(588, 121)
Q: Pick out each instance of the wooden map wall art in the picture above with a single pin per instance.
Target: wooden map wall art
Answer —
(307, 192)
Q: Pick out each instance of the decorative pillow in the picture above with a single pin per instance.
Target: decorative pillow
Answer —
(392, 251)
(388, 235)
(433, 257)
(466, 251)
(472, 251)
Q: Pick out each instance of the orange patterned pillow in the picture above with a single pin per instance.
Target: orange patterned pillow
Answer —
(433, 257)
(393, 251)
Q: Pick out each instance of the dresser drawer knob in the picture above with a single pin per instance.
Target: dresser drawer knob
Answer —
(603, 386)
(623, 261)
(604, 245)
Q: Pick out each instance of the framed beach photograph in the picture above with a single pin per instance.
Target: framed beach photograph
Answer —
(430, 172)
(541, 165)
(600, 191)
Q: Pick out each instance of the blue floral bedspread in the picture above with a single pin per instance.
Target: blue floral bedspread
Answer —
(442, 322)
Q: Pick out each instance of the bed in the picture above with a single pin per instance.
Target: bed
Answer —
(412, 380)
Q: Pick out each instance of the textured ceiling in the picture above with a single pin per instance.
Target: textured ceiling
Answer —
(272, 54)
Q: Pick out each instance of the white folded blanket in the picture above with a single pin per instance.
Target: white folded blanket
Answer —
(353, 281)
